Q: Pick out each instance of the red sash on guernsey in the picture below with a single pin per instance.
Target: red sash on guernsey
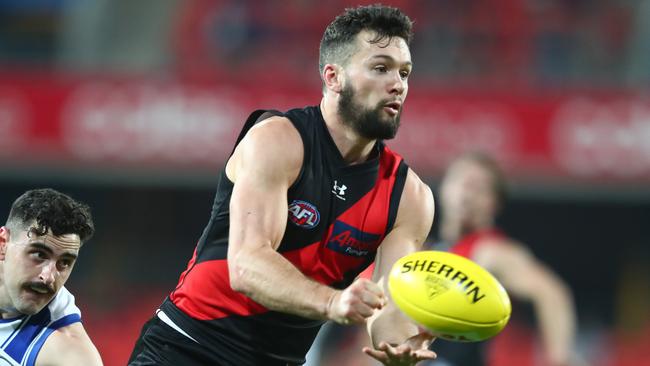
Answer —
(467, 244)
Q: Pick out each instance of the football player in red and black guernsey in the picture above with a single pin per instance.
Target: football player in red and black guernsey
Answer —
(308, 199)
(471, 194)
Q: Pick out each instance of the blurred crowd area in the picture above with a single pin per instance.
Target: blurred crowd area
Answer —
(127, 146)
(458, 43)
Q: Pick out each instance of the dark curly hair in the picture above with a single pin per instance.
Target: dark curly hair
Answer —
(53, 210)
(387, 22)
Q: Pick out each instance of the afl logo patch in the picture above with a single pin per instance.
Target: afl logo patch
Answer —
(304, 214)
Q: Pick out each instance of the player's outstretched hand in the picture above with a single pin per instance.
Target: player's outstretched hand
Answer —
(412, 351)
(356, 303)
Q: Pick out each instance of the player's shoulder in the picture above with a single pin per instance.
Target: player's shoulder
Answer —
(272, 147)
(416, 190)
(416, 204)
(284, 134)
(63, 308)
(275, 128)
(67, 333)
(494, 251)
(79, 348)
(497, 241)
(272, 138)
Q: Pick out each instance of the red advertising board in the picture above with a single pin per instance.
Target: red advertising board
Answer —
(164, 125)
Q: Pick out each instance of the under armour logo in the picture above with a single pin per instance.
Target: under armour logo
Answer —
(339, 191)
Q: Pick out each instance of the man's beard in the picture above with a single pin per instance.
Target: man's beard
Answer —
(367, 123)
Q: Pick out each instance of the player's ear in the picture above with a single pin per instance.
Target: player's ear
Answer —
(333, 77)
(4, 240)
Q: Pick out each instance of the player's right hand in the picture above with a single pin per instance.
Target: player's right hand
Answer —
(356, 303)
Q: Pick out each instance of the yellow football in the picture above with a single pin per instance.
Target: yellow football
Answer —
(453, 297)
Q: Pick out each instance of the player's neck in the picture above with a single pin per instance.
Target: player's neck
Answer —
(353, 148)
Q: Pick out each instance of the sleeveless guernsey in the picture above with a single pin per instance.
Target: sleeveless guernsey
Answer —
(338, 215)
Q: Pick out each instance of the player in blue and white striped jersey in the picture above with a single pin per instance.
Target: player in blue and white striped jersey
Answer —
(39, 321)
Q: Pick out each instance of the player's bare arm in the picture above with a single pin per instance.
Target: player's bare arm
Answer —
(527, 278)
(395, 338)
(263, 167)
(69, 346)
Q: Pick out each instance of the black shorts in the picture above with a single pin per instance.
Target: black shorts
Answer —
(161, 345)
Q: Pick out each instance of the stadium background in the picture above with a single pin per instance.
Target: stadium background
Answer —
(133, 106)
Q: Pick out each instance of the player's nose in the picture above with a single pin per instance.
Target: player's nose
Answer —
(48, 273)
(398, 84)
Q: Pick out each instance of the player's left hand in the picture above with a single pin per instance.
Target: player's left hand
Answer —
(412, 351)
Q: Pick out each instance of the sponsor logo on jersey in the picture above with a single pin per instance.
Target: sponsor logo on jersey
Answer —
(304, 214)
(339, 190)
(351, 241)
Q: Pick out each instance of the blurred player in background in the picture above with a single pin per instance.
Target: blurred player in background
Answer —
(39, 245)
(472, 192)
(302, 207)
